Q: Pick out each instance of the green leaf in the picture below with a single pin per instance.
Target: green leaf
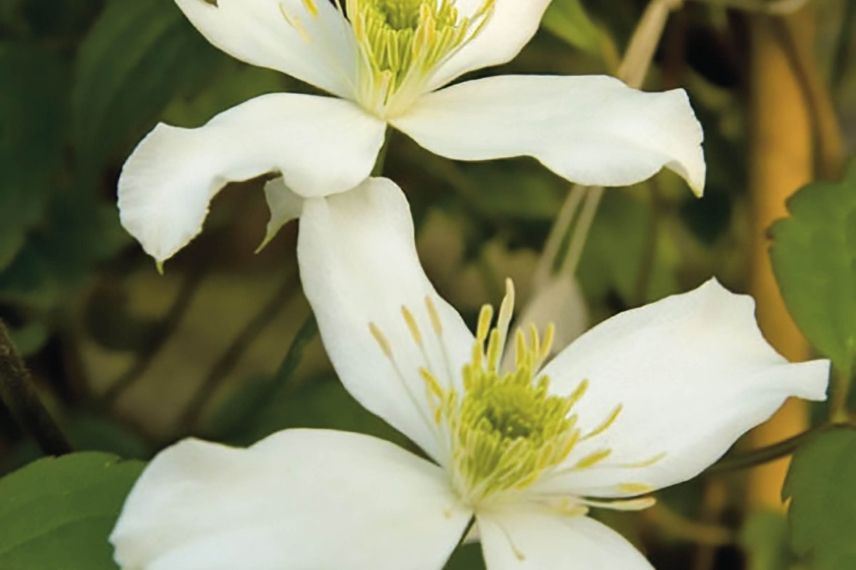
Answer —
(764, 537)
(135, 59)
(569, 20)
(823, 500)
(814, 258)
(60, 256)
(618, 246)
(57, 513)
(32, 113)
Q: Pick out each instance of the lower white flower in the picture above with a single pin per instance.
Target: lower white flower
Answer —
(644, 400)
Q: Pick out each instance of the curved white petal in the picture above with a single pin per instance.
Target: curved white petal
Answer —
(531, 537)
(285, 206)
(320, 145)
(511, 26)
(313, 45)
(298, 499)
(692, 373)
(359, 267)
(593, 130)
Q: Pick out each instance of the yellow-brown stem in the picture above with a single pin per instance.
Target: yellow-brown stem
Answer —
(781, 161)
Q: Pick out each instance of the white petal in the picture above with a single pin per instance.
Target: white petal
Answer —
(692, 372)
(511, 26)
(358, 265)
(283, 35)
(298, 499)
(593, 130)
(320, 145)
(285, 206)
(530, 537)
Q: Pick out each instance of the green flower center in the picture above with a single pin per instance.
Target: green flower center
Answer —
(499, 425)
(402, 41)
(506, 428)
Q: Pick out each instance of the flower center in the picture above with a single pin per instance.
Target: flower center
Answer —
(500, 427)
(402, 41)
(505, 428)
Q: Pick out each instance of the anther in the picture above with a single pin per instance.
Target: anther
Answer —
(381, 340)
(434, 316)
(605, 425)
(311, 7)
(411, 325)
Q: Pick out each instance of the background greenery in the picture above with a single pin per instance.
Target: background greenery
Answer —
(221, 346)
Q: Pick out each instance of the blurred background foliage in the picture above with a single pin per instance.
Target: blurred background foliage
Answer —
(222, 345)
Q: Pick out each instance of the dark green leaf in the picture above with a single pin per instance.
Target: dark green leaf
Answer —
(32, 113)
(821, 487)
(58, 513)
(60, 256)
(814, 257)
(136, 58)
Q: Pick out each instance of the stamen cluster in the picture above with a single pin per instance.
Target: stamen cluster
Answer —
(506, 429)
(402, 41)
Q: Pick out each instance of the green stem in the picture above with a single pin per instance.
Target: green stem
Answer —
(581, 231)
(227, 361)
(838, 408)
(774, 7)
(380, 161)
(770, 453)
(633, 70)
(20, 396)
(145, 359)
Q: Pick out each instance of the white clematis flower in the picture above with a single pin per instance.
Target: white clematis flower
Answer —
(645, 400)
(384, 61)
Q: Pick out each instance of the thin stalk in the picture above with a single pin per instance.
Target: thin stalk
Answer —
(380, 161)
(838, 408)
(633, 70)
(230, 357)
(560, 227)
(174, 315)
(773, 7)
(680, 527)
(769, 453)
(20, 396)
(581, 232)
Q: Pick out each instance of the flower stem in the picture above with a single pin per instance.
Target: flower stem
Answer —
(772, 452)
(380, 161)
(20, 396)
(842, 382)
(633, 70)
(227, 361)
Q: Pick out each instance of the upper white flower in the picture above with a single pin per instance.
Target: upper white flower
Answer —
(385, 60)
(645, 400)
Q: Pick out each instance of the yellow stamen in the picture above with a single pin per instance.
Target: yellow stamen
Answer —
(411, 325)
(381, 340)
(606, 423)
